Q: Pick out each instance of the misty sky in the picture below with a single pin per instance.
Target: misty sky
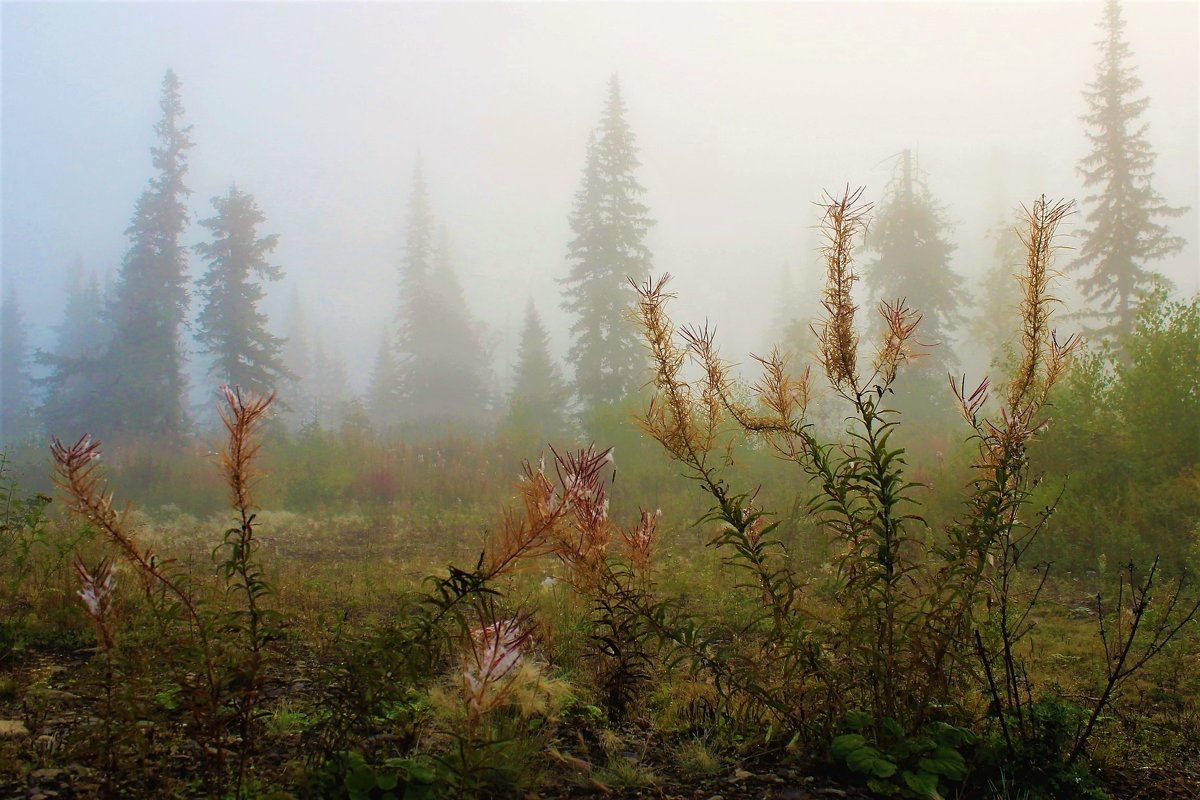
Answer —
(743, 113)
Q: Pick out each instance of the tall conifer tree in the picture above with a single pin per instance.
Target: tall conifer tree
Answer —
(230, 327)
(384, 400)
(417, 324)
(912, 263)
(610, 225)
(442, 365)
(539, 400)
(1122, 236)
(67, 408)
(460, 385)
(143, 368)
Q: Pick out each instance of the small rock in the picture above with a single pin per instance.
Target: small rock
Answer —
(47, 774)
(715, 797)
(740, 774)
(12, 728)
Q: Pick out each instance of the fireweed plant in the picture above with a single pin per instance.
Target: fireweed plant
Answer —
(921, 615)
(97, 593)
(214, 648)
(462, 617)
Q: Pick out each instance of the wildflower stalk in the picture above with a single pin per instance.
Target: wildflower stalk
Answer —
(96, 592)
(488, 681)
(986, 548)
(244, 575)
(77, 472)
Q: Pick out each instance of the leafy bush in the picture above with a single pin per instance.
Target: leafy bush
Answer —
(1127, 433)
(898, 764)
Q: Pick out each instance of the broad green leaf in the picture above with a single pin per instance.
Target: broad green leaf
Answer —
(361, 779)
(923, 784)
(845, 744)
(422, 773)
(892, 728)
(857, 720)
(945, 761)
(870, 761)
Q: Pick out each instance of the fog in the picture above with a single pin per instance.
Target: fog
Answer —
(743, 115)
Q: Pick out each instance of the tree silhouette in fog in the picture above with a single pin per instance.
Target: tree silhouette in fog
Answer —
(150, 307)
(912, 261)
(610, 224)
(81, 338)
(383, 401)
(230, 327)
(442, 366)
(538, 402)
(1121, 235)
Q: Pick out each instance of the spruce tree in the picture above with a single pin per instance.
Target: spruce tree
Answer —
(16, 397)
(912, 263)
(142, 380)
(442, 364)
(230, 327)
(74, 365)
(539, 400)
(461, 371)
(1121, 236)
(384, 399)
(610, 225)
(417, 322)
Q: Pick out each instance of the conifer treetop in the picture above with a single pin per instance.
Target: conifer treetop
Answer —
(608, 250)
(1121, 235)
(230, 327)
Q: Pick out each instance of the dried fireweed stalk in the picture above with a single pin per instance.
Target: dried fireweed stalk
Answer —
(97, 587)
(837, 341)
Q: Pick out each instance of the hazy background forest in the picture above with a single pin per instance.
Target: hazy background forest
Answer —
(412, 184)
(737, 118)
(743, 114)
